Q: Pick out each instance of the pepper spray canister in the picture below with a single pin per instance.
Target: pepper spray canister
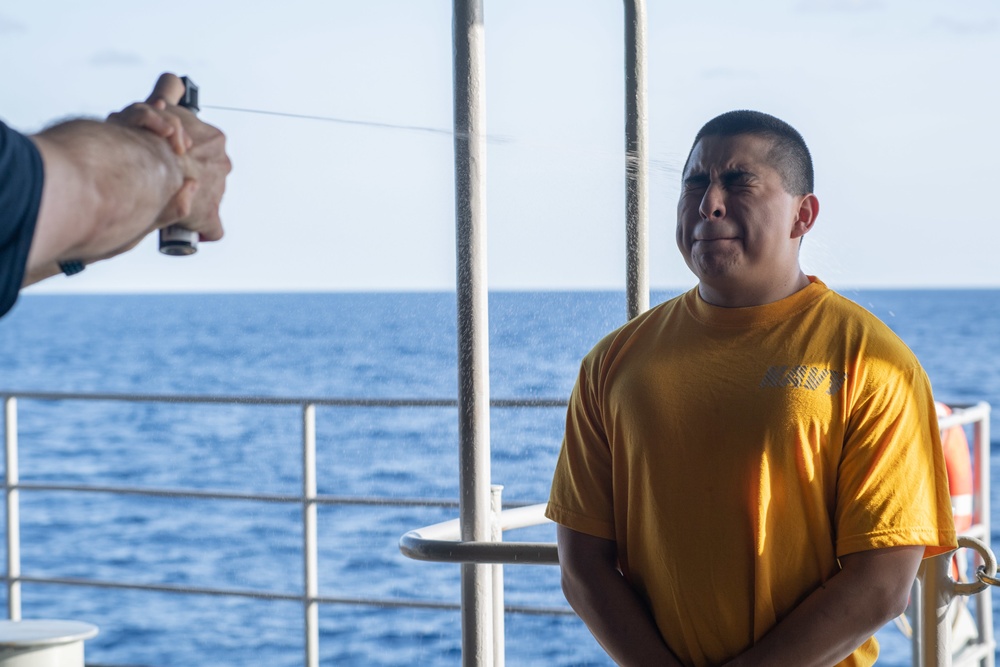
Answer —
(175, 239)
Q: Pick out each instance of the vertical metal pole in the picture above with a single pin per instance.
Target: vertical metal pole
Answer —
(473, 336)
(935, 631)
(916, 596)
(13, 512)
(310, 568)
(636, 168)
(496, 512)
(982, 456)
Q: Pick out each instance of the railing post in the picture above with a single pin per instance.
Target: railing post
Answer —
(13, 512)
(981, 493)
(935, 631)
(311, 589)
(496, 512)
(636, 168)
(473, 323)
(916, 599)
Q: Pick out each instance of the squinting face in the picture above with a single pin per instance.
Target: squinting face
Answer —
(737, 227)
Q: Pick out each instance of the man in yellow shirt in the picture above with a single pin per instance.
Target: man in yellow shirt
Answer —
(751, 471)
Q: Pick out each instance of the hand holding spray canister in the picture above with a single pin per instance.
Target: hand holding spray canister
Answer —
(175, 239)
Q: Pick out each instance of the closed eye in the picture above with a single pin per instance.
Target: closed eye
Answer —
(696, 182)
(738, 178)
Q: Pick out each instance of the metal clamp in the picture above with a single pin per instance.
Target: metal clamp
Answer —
(985, 578)
(985, 573)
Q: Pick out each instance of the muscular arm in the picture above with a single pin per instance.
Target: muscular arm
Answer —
(871, 589)
(105, 187)
(616, 616)
(109, 184)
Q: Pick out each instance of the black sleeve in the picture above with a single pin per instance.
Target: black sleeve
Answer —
(21, 178)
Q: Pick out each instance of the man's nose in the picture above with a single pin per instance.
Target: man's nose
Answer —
(713, 204)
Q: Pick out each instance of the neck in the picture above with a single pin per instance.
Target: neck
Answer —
(741, 295)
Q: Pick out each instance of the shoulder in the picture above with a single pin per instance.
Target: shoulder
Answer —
(20, 166)
(872, 347)
(645, 328)
(6, 134)
(21, 179)
(14, 144)
(859, 323)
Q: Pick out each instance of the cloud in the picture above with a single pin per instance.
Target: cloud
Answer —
(10, 26)
(842, 6)
(115, 59)
(730, 73)
(966, 26)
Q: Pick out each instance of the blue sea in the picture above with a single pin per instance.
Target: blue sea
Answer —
(375, 345)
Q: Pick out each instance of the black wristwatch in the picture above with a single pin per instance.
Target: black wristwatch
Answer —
(71, 267)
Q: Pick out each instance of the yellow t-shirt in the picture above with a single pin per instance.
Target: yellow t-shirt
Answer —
(734, 453)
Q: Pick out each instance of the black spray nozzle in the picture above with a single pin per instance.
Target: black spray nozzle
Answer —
(190, 99)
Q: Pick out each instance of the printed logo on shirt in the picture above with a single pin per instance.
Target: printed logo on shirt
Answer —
(804, 377)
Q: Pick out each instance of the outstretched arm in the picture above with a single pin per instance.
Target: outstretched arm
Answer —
(870, 590)
(596, 590)
(108, 184)
(105, 187)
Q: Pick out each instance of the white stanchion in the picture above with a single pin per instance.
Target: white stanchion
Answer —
(43, 643)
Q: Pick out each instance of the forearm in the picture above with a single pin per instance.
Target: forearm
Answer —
(827, 627)
(38, 273)
(105, 185)
(618, 618)
(839, 616)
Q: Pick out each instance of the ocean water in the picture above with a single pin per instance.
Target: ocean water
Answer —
(324, 345)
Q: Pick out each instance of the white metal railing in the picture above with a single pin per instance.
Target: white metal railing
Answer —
(309, 500)
(441, 542)
(931, 634)
(934, 588)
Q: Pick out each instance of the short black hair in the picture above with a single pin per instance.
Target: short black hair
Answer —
(789, 153)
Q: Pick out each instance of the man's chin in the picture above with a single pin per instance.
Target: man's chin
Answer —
(707, 267)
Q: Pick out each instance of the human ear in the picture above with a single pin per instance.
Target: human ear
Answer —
(806, 216)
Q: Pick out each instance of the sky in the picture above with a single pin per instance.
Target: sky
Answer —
(897, 100)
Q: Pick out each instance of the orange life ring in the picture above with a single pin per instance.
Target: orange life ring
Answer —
(959, 465)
